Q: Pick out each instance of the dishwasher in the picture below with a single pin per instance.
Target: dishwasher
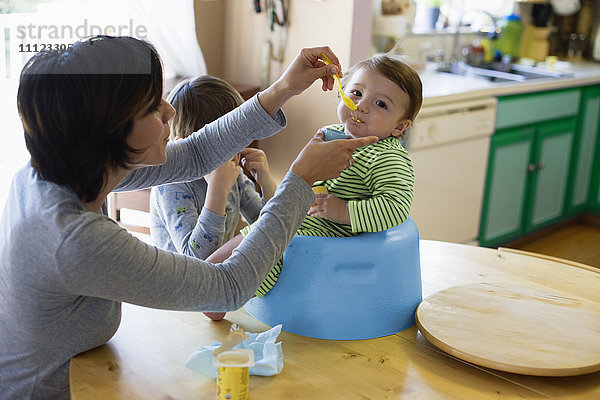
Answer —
(449, 146)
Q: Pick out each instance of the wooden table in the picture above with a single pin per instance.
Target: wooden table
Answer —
(146, 357)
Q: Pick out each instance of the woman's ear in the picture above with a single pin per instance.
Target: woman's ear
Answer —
(401, 127)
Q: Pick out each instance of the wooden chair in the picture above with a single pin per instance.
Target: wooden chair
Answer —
(138, 200)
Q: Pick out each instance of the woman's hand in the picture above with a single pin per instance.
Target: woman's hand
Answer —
(300, 74)
(330, 207)
(220, 181)
(255, 161)
(320, 160)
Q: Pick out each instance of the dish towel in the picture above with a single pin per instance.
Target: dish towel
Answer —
(268, 355)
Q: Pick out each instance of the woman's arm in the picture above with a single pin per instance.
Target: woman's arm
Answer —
(257, 118)
(193, 229)
(122, 268)
(98, 258)
(191, 158)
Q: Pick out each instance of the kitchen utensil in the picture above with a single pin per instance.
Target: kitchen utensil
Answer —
(274, 18)
(236, 336)
(535, 43)
(320, 189)
(540, 13)
(347, 100)
(524, 330)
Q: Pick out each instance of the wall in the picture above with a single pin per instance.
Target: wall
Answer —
(210, 31)
(344, 25)
(232, 37)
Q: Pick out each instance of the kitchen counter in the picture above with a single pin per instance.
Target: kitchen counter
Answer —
(439, 87)
(146, 357)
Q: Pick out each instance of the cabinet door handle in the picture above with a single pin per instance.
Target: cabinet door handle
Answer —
(531, 168)
(541, 165)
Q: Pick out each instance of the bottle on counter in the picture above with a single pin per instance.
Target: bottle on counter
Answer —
(585, 18)
(509, 42)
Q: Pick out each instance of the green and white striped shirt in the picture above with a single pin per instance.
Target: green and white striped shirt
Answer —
(378, 188)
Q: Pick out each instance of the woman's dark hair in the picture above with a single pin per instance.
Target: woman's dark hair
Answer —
(397, 71)
(77, 108)
(200, 101)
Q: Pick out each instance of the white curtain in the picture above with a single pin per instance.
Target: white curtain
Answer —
(171, 28)
(168, 25)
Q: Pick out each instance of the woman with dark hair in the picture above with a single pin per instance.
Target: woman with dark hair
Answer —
(94, 122)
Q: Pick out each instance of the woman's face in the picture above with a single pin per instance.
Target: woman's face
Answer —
(150, 134)
(381, 106)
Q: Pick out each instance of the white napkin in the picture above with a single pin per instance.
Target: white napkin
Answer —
(268, 355)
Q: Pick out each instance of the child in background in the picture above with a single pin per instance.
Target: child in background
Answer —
(197, 217)
(376, 191)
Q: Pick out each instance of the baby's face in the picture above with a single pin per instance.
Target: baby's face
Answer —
(381, 104)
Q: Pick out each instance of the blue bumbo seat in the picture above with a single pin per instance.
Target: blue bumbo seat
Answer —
(348, 288)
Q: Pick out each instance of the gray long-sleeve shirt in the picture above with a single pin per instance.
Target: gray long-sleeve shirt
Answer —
(64, 270)
(179, 222)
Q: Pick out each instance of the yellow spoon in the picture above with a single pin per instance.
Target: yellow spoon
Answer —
(347, 100)
(236, 336)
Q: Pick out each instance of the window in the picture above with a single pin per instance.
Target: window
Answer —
(18, 6)
(13, 153)
(445, 15)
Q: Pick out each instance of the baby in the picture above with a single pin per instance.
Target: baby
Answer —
(375, 192)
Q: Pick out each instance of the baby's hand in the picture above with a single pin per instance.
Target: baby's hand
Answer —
(224, 177)
(330, 207)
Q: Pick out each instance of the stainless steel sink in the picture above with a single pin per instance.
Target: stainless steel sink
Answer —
(498, 72)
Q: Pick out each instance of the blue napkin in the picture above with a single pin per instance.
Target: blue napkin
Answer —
(268, 355)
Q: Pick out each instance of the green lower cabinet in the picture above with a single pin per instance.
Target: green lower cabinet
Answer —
(527, 181)
(506, 185)
(585, 161)
(550, 175)
(594, 204)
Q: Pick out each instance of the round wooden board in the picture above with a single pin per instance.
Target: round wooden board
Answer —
(515, 329)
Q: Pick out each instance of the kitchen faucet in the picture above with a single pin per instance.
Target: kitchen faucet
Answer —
(455, 58)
